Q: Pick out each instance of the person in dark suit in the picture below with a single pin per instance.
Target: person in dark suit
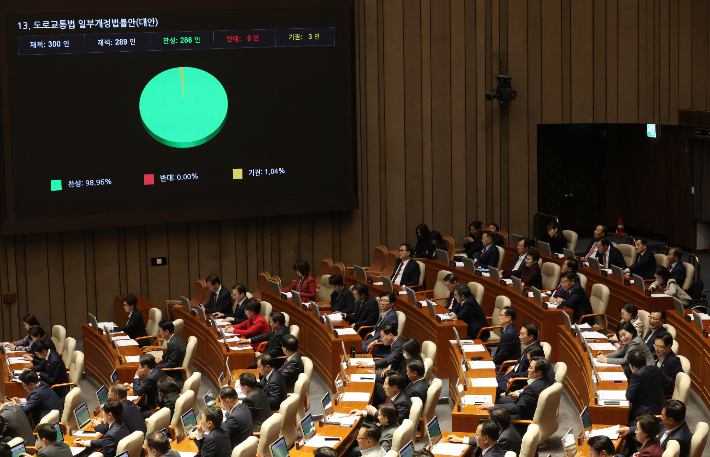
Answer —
(132, 417)
(16, 424)
(599, 233)
(274, 345)
(256, 400)
(168, 393)
(395, 360)
(673, 427)
(237, 313)
(472, 244)
(471, 313)
(609, 255)
(424, 248)
(51, 369)
(668, 361)
(438, 241)
(645, 390)
(530, 274)
(41, 399)
(293, 366)
(418, 385)
(675, 265)
(158, 445)
(451, 281)
(495, 236)
(113, 413)
(220, 299)
(528, 337)
(174, 353)
(406, 270)
(645, 265)
(271, 381)
(656, 319)
(509, 345)
(366, 309)
(394, 385)
(489, 254)
(135, 327)
(487, 435)
(509, 438)
(342, 299)
(238, 423)
(522, 403)
(216, 443)
(151, 374)
(557, 239)
(37, 334)
(387, 316)
(577, 299)
(568, 265)
(47, 435)
(524, 246)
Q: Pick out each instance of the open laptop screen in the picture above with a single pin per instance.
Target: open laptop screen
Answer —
(407, 450)
(189, 421)
(434, 431)
(308, 427)
(82, 415)
(279, 448)
(18, 449)
(58, 428)
(114, 376)
(327, 404)
(102, 395)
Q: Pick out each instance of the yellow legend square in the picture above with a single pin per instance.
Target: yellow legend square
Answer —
(236, 173)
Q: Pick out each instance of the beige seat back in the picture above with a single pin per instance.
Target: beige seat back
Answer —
(672, 449)
(643, 316)
(133, 443)
(158, 421)
(530, 441)
(548, 405)
(266, 309)
(76, 368)
(600, 302)
(429, 350)
(69, 348)
(192, 383)
(661, 259)
(440, 289)
(674, 347)
(325, 288)
(510, 454)
(685, 363)
(155, 315)
(182, 405)
(287, 319)
(403, 434)
(422, 271)
(699, 440)
(415, 413)
(428, 368)
(629, 252)
(550, 275)
(71, 402)
(288, 411)
(59, 336)
(295, 330)
(301, 389)
(179, 325)
(501, 302)
(682, 388)
(670, 329)
(401, 322)
(189, 355)
(96, 454)
(571, 238)
(432, 398)
(547, 349)
(689, 275)
(501, 255)
(308, 370)
(49, 418)
(477, 290)
(582, 282)
(246, 448)
(392, 453)
(269, 433)
(560, 372)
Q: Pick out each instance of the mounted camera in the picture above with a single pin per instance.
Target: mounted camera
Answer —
(504, 92)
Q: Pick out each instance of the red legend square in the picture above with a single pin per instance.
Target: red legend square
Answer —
(148, 180)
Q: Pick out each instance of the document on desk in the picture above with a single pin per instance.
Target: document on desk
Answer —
(602, 347)
(611, 432)
(85, 434)
(476, 399)
(377, 283)
(362, 377)
(320, 441)
(602, 364)
(240, 347)
(133, 358)
(482, 364)
(232, 339)
(356, 396)
(75, 450)
(459, 264)
(14, 360)
(402, 292)
(368, 361)
(131, 397)
(345, 331)
(127, 343)
(345, 420)
(187, 454)
(484, 382)
(658, 295)
(473, 347)
(444, 317)
(614, 395)
(107, 324)
(584, 326)
(593, 335)
(120, 337)
(612, 376)
(607, 270)
(507, 281)
(552, 305)
(335, 317)
(449, 448)
(486, 274)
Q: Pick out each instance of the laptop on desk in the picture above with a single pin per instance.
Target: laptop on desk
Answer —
(568, 253)
(569, 443)
(431, 307)
(411, 295)
(327, 405)
(679, 308)
(544, 248)
(102, 395)
(594, 264)
(18, 449)
(209, 399)
(517, 284)
(315, 311)
(495, 274)
(537, 295)
(201, 313)
(407, 450)
(83, 417)
(279, 448)
(639, 284)
(308, 428)
(360, 273)
(387, 283)
(514, 238)
(468, 264)
(185, 302)
(434, 432)
(442, 256)
(568, 322)
(189, 421)
(114, 376)
(93, 322)
(296, 297)
(618, 273)
(274, 287)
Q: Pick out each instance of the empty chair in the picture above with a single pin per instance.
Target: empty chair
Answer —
(158, 421)
(501, 256)
(325, 289)
(198, 292)
(546, 412)
(684, 362)
(550, 275)
(288, 411)
(629, 253)
(246, 448)
(193, 384)
(269, 433)
(71, 402)
(571, 238)
(672, 449)
(338, 268)
(379, 261)
(600, 302)
(301, 389)
(402, 435)
(415, 413)
(700, 439)
(682, 388)
(428, 368)
(477, 290)
(432, 398)
(429, 350)
(295, 330)
(59, 335)
(262, 284)
(547, 349)
(324, 269)
(69, 348)
(531, 439)
(152, 327)
(182, 405)
(133, 443)
(661, 259)
(560, 372)
(390, 262)
(689, 275)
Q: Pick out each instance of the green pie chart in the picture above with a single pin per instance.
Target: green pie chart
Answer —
(183, 107)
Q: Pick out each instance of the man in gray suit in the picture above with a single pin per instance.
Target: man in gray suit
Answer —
(174, 352)
(47, 435)
(216, 442)
(16, 424)
(256, 400)
(158, 445)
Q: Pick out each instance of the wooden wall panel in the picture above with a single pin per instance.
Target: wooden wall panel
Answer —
(429, 147)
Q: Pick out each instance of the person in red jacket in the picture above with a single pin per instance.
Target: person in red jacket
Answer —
(255, 324)
(304, 284)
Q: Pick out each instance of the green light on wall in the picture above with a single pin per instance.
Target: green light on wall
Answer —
(651, 130)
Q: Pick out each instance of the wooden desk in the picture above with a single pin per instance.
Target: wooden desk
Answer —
(467, 419)
(421, 326)
(8, 387)
(101, 358)
(144, 306)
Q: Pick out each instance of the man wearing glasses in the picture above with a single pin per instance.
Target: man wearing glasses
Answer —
(668, 361)
(406, 270)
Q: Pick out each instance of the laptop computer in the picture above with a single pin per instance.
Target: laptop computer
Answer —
(315, 310)
(537, 295)
(114, 376)
(308, 428)
(639, 284)
(229, 370)
(274, 287)
(209, 399)
(83, 417)
(431, 306)
(468, 264)
(296, 297)
(585, 420)
(328, 323)
(568, 322)
(434, 431)
(279, 448)
(407, 450)
(185, 302)
(360, 273)
(345, 353)
(411, 295)
(58, 428)
(514, 238)
(18, 449)
(442, 256)
(568, 253)
(618, 273)
(679, 308)
(221, 379)
(544, 248)
(458, 340)
(387, 283)
(92, 320)
(201, 313)
(327, 405)
(698, 320)
(594, 264)
(569, 443)
(214, 325)
(517, 284)
(102, 395)
(495, 273)
(122, 454)
(189, 421)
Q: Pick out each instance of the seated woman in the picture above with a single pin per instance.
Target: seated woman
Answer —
(424, 248)
(629, 313)
(168, 393)
(473, 243)
(254, 325)
(630, 340)
(647, 429)
(669, 286)
(530, 273)
(557, 240)
(304, 284)
(24, 344)
(438, 241)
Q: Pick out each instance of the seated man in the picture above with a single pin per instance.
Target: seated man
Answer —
(673, 427)
(211, 439)
(51, 369)
(47, 435)
(16, 424)
(158, 445)
(113, 413)
(608, 255)
(368, 440)
(576, 300)
(395, 361)
(132, 417)
(531, 353)
(569, 264)
(168, 394)
(675, 266)
(41, 399)
(174, 352)
(451, 281)
(471, 313)
(239, 299)
(495, 236)
(489, 254)
(509, 345)
(508, 440)
(602, 446)
(342, 299)
(599, 233)
(645, 265)
(418, 385)
(220, 299)
(274, 346)
(406, 270)
(524, 246)
(293, 366)
(668, 361)
(522, 403)
(37, 334)
(366, 309)
(645, 390)
(394, 385)
(135, 327)
(387, 316)
(150, 374)
(256, 400)
(238, 423)
(487, 435)
(655, 327)
(271, 381)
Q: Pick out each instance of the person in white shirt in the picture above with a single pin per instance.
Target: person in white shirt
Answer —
(368, 440)
(406, 270)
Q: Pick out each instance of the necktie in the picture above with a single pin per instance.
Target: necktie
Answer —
(558, 290)
(451, 302)
(396, 275)
(46, 365)
(648, 336)
(670, 267)
(604, 260)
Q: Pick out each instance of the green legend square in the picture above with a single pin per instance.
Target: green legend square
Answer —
(56, 184)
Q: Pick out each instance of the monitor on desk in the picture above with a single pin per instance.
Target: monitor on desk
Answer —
(517, 284)
(618, 273)
(411, 295)
(568, 322)
(468, 264)
(327, 405)
(308, 428)
(315, 310)
(431, 306)
(107, 332)
(189, 421)
(345, 353)
(679, 308)
(569, 443)
(360, 273)
(122, 454)
(537, 295)
(698, 321)
(328, 323)
(513, 239)
(229, 370)
(114, 376)
(18, 449)
(296, 297)
(544, 248)
(434, 431)
(185, 302)
(568, 253)
(221, 379)
(495, 274)
(639, 284)
(221, 334)
(213, 323)
(209, 399)
(594, 264)
(279, 448)
(93, 322)
(458, 340)
(167, 434)
(83, 418)
(274, 287)
(102, 395)
(407, 450)
(585, 420)
(201, 313)
(387, 283)
(58, 428)
(442, 256)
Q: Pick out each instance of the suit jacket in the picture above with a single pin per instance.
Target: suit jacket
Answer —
(618, 357)
(403, 404)
(149, 388)
(558, 243)
(563, 294)
(258, 404)
(670, 368)
(395, 357)
(389, 318)
(275, 340)
(473, 247)
(238, 425)
(532, 277)
(109, 442)
(497, 240)
(526, 403)
(493, 451)
(252, 327)
(508, 347)
(423, 250)
(645, 392)
(275, 389)
(488, 258)
(238, 315)
(410, 275)
(216, 444)
(132, 419)
(418, 389)
(507, 271)
(290, 371)
(135, 327)
(40, 402)
(58, 449)
(174, 356)
(452, 305)
(366, 313)
(650, 339)
(510, 440)
(16, 423)
(307, 289)
(615, 257)
(169, 402)
(220, 302)
(50, 344)
(343, 301)
(53, 371)
(589, 246)
(651, 449)
(520, 369)
(579, 303)
(678, 273)
(681, 434)
(387, 435)
(645, 265)
(475, 318)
